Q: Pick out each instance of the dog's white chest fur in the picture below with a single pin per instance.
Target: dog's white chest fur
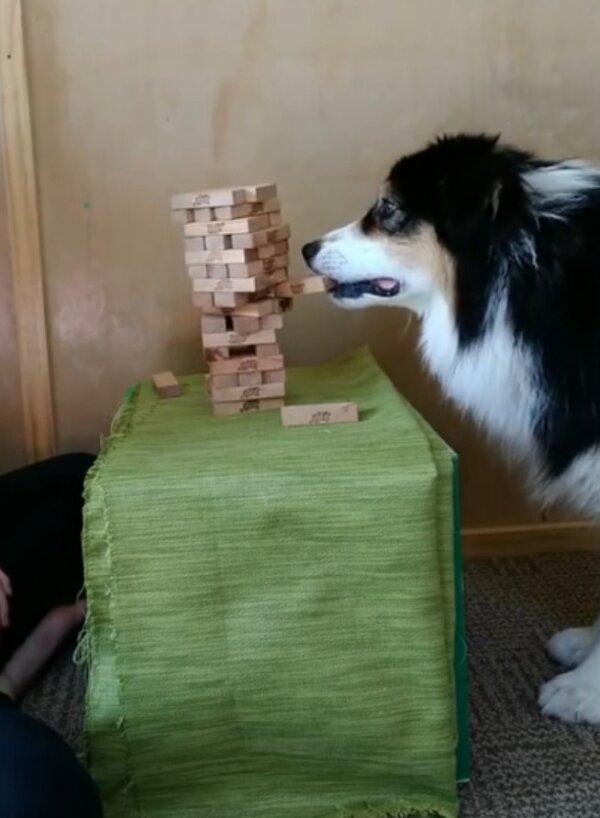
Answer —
(494, 378)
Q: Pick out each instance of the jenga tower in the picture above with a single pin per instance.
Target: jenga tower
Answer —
(236, 250)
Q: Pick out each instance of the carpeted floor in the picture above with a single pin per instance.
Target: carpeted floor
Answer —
(524, 766)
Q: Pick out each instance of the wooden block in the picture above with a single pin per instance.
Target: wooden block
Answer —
(242, 241)
(217, 271)
(229, 300)
(200, 270)
(271, 205)
(278, 233)
(217, 242)
(183, 216)
(233, 285)
(213, 323)
(216, 355)
(280, 247)
(247, 363)
(216, 197)
(221, 256)
(194, 243)
(274, 321)
(267, 350)
(223, 381)
(266, 251)
(204, 214)
(275, 220)
(301, 286)
(258, 309)
(166, 385)
(240, 211)
(252, 268)
(248, 225)
(274, 376)
(234, 393)
(260, 193)
(250, 378)
(246, 407)
(232, 339)
(275, 263)
(244, 325)
(319, 414)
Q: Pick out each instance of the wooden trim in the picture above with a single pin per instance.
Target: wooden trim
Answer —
(521, 540)
(24, 235)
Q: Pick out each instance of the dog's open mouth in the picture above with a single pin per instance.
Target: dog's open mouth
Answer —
(381, 287)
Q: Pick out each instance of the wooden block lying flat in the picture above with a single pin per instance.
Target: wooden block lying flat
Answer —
(250, 378)
(216, 355)
(229, 299)
(240, 211)
(246, 407)
(222, 381)
(217, 270)
(203, 214)
(249, 363)
(319, 414)
(276, 263)
(221, 256)
(275, 220)
(301, 286)
(216, 242)
(216, 197)
(279, 233)
(193, 243)
(260, 193)
(260, 238)
(267, 350)
(252, 268)
(166, 385)
(248, 225)
(266, 251)
(271, 205)
(274, 321)
(241, 241)
(214, 323)
(258, 309)
(254, 284)
(233, 339)
(268, 390)
(274, 376)
(182, 216)
(244, 325)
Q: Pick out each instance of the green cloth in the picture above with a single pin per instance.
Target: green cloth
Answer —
(271, 610)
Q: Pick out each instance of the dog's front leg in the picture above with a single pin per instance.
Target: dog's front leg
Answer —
(575, 696)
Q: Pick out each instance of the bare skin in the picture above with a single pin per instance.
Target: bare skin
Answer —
(27, 661)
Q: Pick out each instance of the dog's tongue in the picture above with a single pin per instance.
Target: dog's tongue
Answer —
(386, 283)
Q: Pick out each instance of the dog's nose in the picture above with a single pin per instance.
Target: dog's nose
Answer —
(310, 250)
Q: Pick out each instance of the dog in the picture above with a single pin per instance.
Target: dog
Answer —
(498, 253)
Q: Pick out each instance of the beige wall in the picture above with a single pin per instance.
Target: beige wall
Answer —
(133, 100)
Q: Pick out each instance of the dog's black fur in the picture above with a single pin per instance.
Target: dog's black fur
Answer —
(474, 193)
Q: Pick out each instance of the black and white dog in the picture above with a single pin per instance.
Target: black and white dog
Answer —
(498, 252)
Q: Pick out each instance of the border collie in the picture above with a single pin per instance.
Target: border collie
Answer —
(498, 252)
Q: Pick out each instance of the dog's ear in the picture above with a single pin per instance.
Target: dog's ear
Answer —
(477, 197)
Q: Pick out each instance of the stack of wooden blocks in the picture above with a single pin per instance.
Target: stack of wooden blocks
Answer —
(236, 250)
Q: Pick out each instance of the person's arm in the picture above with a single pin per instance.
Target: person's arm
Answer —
(5, 593)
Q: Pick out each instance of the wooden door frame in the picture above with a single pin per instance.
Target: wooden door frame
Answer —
(24, 236)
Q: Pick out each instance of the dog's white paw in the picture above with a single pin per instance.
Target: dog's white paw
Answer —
(572, 646)
(573, 697)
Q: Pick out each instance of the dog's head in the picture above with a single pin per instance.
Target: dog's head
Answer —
(453, 197)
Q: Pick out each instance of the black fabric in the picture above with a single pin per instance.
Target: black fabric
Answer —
(40, 776)
(40, 540)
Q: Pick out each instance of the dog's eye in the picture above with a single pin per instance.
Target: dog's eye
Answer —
(386, 208)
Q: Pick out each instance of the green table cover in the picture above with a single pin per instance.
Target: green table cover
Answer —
(271, 629)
